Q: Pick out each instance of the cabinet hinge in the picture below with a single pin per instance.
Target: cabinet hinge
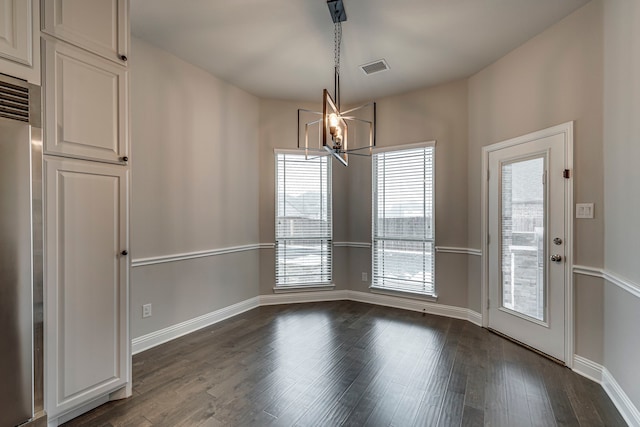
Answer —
(566, 174)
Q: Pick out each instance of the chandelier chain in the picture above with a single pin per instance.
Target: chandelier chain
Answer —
(337, 33)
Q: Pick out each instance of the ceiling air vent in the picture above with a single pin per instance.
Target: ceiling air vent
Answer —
(375, 67)
(14, 101)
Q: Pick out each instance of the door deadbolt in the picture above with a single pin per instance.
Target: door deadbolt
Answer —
(556, 258)
(557, 241)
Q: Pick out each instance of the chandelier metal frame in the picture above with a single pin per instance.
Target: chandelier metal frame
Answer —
(333, 124)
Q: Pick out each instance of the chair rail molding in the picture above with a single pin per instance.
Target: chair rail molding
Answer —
(352, 244)
(161, 259)
(609, 276)
(455, 250)
(623, 283)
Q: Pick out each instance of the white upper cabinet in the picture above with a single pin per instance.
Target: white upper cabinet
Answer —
(15, 31)
(85, 105)
(100, 26)
(20, 39)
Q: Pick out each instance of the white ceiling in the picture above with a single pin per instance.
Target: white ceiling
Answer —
(284, 48)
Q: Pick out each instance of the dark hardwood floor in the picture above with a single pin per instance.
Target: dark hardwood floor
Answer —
(352, 364)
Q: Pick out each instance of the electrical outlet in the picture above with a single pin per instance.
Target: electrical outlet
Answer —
(146, 310)
(364, 276)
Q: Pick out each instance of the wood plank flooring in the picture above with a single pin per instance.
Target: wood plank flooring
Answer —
(350, 364)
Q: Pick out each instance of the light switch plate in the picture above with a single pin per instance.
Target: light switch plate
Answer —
(584, 210)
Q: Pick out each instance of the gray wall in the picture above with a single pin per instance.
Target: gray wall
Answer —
(438, 113)
(622, 190)
(278, 130)
(554, 78)
(194, 173)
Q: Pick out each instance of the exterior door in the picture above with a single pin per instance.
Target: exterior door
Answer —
(528, 198)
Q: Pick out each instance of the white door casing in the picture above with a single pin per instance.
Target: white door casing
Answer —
(547, 324)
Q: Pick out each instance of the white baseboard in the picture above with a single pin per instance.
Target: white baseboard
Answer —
(601, 375)
(587, 368)
(416, 305)
(89, 406)
(301, 297)
(162, 336)
(474, 317)
(626, 407)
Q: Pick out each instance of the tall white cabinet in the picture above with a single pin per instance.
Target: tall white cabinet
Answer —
(86, 204)
(87, 339)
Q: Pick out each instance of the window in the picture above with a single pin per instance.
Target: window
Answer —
(403, 231)
(303, 220)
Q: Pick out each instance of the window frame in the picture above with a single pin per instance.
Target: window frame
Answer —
(375, 286)
(304, 286)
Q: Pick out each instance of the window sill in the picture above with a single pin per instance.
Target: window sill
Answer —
(302, 288)
(405, 294)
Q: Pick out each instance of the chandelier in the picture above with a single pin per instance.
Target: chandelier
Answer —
(336, 128)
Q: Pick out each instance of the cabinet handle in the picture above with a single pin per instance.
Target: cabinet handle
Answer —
(123, 57)
(125, 253)
(124, 159)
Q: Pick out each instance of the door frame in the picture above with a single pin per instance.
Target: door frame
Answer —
(565, 129)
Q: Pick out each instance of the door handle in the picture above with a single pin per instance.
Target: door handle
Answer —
(556, 258)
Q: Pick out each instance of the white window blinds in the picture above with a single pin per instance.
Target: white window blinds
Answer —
(403, 231)
(303, 220)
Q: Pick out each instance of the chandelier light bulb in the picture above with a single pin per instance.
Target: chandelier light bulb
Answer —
(337, 137)
(333, 120)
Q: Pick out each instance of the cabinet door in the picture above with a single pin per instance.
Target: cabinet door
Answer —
(85, 104)
(20, 39)
(86, 326)
(100, 26)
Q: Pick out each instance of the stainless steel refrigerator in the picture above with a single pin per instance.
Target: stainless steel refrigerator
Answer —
(20, 253)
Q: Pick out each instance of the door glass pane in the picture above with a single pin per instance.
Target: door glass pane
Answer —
(522, 233)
